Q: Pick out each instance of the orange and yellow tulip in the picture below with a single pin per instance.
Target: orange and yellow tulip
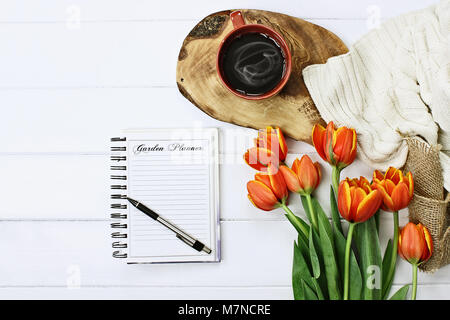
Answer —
(268, 191)
(396, 188)
(357, 202)
(336, 146)
(415, 244)
(304, 177)
(273, 140)
(270, 147)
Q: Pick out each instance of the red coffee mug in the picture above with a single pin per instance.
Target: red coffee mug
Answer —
(240, 28)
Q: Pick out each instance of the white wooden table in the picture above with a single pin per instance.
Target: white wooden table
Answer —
(72, 74)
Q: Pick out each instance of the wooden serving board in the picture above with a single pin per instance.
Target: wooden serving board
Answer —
(292, 109)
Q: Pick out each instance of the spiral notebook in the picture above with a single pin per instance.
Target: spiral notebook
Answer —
(175, 173)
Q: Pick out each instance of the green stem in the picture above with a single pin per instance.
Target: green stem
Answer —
(347, 259)
(335, 176)
(391, 270)
(414, 284)
(312, 212)
(294, 220)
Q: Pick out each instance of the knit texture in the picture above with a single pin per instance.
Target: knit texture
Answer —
(394, 83)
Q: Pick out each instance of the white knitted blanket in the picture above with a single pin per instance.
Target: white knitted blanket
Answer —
(393, 83)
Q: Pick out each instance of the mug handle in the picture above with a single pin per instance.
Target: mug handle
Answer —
(237, 19)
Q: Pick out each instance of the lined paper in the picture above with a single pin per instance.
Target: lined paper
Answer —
(175, 178)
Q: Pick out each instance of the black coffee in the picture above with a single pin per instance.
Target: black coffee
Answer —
(253, 64)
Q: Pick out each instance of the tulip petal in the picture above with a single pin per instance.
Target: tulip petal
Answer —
(261, 195)
(328, 144)
(377, 175)
(264, 178)
(400, 252)
(428, 244)
(390, 186)
(307, 174)
(318, 137)
(291, 179)
(277, 182)
(296, 165)
(282, 143)
(344, 199)
(400, 196)
(344, 145)
(357, 195)
(368, 206)
(319, 174)
(389, 174)
(410, 180)
(387, 200)
(260, 205)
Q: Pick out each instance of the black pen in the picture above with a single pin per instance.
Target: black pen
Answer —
(183, 236)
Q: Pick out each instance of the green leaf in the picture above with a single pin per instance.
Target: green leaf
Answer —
(306, 207)
(335, 211)
(355, 285)
(377, 221)
(303, 246)
(401, 293)
(322, 278)
(369, 251)
(300, 271)
(293, 217)
(328, 252)
(313, 255)
(308, 293)
(318, 289)
(387, 258)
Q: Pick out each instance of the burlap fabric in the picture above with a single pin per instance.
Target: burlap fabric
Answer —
(428, 205)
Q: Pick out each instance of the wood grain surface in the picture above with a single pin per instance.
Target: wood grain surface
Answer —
(292, 109)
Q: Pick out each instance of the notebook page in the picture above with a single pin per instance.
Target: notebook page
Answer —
(172, 173)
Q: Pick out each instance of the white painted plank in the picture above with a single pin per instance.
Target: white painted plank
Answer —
(84, 120)
(101, 10)
(147, 293)
(46, 186)
(114, 54)
(427, 291)
(58, 253)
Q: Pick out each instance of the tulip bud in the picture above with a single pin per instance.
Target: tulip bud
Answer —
(270, 147)
(268, 191)
(336, 146)
(304, 177)
(415, 244)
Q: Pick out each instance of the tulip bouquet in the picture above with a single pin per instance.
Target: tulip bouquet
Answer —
(329, 263)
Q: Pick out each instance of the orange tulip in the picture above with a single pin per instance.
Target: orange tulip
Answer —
(270, 147)
(304, 177)
(397, 189)
(336, 146)
(415, 244)
(357, 202)
(273, 140)
(268, 191)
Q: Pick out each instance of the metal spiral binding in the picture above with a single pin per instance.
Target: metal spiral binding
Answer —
(118, 215)
(118, 187)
